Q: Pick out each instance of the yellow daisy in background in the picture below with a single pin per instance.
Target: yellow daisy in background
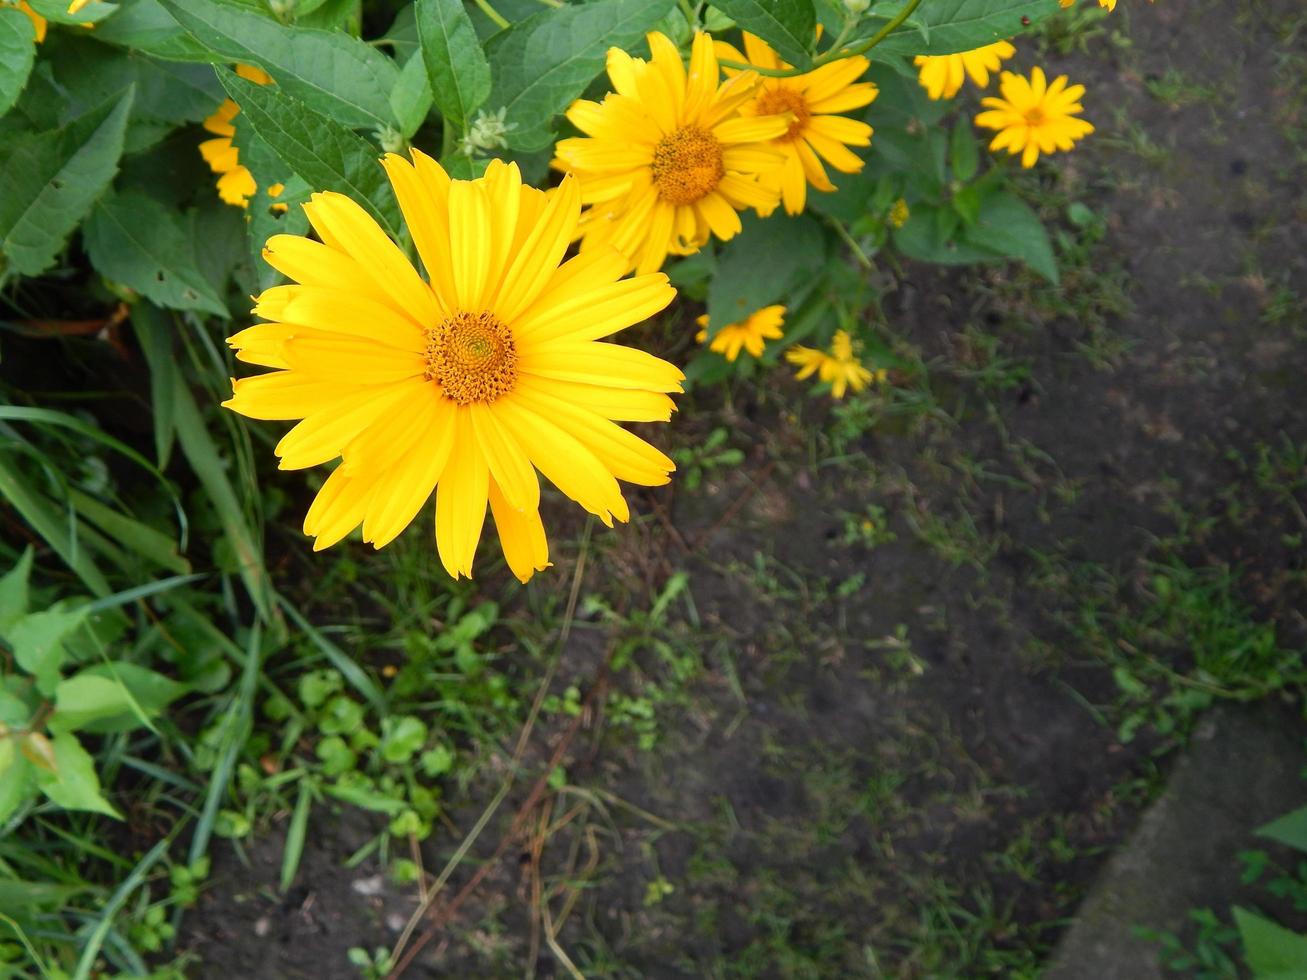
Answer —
(235, 184)
(841, 368)
(1109, 4)
(1034, 117)
(667, 159)
(942, 75)
(750, 334)
(817, 132)
(465, 383)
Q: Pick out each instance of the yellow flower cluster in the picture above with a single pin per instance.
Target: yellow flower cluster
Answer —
(1031, 117)
(236, 184)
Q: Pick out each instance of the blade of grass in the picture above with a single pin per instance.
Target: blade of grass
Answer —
(348, 667)
(299, 825)
(49, 523)
(202, 453)
(86, 962)
(154, 546)
(234, 735)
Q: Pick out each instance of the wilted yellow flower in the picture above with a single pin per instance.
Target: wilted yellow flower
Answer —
(465, 384)
(235, 184)
(751, 333)
(841, 368)
(1034, 117)
(899, 213)
(942, 75)
(817, 132)
(668, 160)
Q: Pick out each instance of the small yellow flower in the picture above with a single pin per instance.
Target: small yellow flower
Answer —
(899, 213)
(667, 160)
(841, 368)
(751, 333)
(817, 133)
(1109, 4)
(466, 383)
(1034, 117)
(235, 184)
(942, 75)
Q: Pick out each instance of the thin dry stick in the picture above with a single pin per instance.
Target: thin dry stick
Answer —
(446, 912)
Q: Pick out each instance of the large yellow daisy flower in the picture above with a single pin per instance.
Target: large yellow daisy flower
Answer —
(942, 75)
(465, 383)
(817, 133)
(667, 159)
(1034, 117)
(750, 334)
(235, 183)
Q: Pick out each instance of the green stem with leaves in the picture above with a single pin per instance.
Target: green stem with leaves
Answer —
(835, 52)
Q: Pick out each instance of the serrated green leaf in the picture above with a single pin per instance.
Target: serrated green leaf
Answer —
(13, 591)
(324, 153)
(950, 26)
(539, 65)
(37, 642)
(1008, 226)
(789, 26)
(1290, 829)
(920, 238)
(74, 785)
(145, 27)
(331, 71)
(17, 52)
(411, 98)
(456, 66)
(53, 178)
(133, 239)
(1270, 949)
(15, 788)
(762, 265)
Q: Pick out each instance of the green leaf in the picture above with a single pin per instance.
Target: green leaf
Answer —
(950, 26)
(53, 178)
(134, 239)
(539, 65)
(789, 26)
(324, 153)
(52, 524)
(964, 158)
(149, 692)
(411, 98)
(153, 333)
(17, 52)
(13, 591)
(74, 785)
(456, 65)
(146, 28)
(15, 788)
(56, 11)
(1290, 829)
(401, 737)
(335, 73)
(925, 237)
(37, 642)
(85, 697)
(762, 265)
(1271, 950)
(1008, 226)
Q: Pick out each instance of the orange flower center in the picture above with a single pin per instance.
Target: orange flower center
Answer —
(777, 101)
(472, 357)
(1035, 116)
(687, 165)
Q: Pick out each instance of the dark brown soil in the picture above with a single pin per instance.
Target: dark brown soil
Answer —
(911, 771)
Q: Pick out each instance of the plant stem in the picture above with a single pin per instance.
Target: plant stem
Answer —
(833, 53)
(493, 14)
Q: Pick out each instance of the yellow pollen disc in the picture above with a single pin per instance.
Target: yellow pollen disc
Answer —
(687, 165)
(776, 101)
(472, 357)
